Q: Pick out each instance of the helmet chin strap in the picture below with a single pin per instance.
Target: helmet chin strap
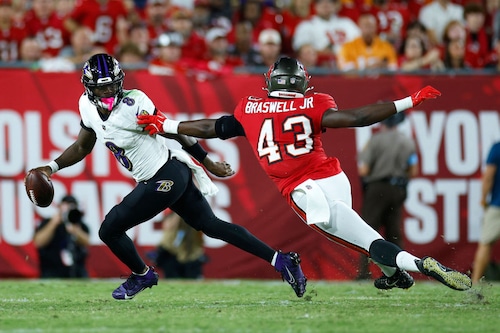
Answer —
(109, 102)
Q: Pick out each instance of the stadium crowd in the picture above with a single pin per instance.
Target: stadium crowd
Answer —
(208, 38)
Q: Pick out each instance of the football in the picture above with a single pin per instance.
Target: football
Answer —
(39, 188)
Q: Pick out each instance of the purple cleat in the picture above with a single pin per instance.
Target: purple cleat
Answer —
(135, 284)
(288, 264)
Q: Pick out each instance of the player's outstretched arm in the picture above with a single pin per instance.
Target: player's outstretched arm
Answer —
(202, 128)
(73, 154)
(373, 113)
(159, 124)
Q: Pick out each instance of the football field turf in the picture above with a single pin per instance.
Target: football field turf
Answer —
(255, 306)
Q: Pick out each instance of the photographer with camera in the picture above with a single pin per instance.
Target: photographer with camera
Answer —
(62, 242)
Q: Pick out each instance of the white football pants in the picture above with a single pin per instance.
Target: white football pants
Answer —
(345, 226)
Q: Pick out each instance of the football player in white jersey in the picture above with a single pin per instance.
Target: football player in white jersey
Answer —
(164, 177)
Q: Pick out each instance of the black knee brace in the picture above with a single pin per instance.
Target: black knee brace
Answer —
(384, 252)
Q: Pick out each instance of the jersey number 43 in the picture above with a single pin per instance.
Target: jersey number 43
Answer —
(302, 144)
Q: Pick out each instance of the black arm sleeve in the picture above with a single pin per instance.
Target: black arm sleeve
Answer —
(228, 127)
(196, 151)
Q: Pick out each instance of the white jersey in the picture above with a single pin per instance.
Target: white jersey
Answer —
(434, 17)
(143, 155)
(322, 34)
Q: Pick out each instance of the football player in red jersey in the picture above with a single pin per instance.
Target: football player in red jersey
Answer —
(284, 131)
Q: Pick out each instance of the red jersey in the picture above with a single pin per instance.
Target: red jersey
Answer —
(285, 135)
(194, 47)
(290, 22)
(414, 7)
(349, 9)
(392, 19)
(477, 49)
(101, 19)
(269, 19)
(10, 41)
(50, 32)
(155, 31)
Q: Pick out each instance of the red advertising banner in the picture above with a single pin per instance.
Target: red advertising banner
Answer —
(39, 119)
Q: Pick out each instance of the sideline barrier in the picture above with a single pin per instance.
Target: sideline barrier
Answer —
(39, 118)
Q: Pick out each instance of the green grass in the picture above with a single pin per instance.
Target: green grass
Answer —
(59, 306)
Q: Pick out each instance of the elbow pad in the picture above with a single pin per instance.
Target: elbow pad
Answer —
(228, 127)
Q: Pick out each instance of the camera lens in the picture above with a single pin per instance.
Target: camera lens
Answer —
(74, 215)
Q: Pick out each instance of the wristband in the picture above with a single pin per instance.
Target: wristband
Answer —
(196, 151)
(403, 104)
(170, 126)
(53, 166)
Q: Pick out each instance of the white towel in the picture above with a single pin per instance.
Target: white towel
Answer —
(318, 209)
(205, 184)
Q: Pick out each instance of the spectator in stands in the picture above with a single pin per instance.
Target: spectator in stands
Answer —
(416, 57)
(491, 9)
(12, 33)
(43, 23)
(260, 14)
(492, 23)
(454, 55)
(62, 241)
(455, 29)
(308, 56)
(243, 45)
(138, 34)
(30, 51)
(436, 15)
(477, 44)
(269, 47)
(82, 46)
(392, 18)
(296, 12)
(20, 8)
(131, 56)
(326, 31)
(168, 60)
(92, 13)
(454, 46)
(221, 9)
(193, 46)
(180, 254)
(155, 17)
(201, 16)
(417, 29)
(217, 61)
(64, 7)
(367, 52)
